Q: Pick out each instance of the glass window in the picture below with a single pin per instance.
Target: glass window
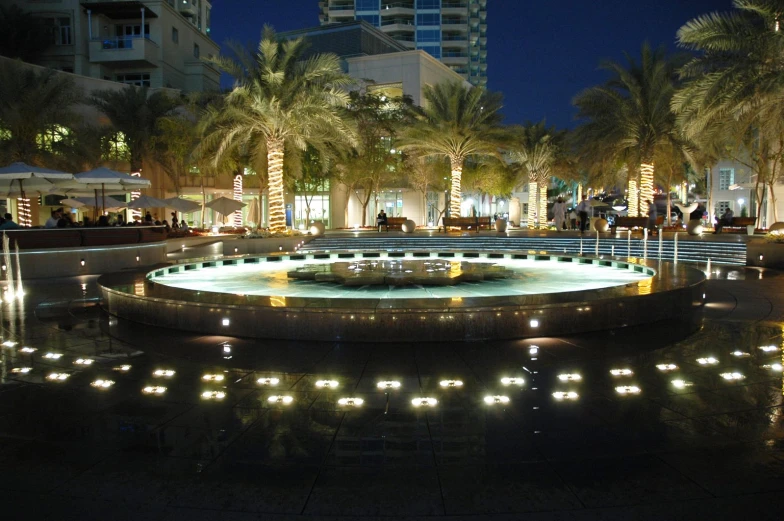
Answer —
(64, 31)
(433, 51)
(726, 178)
(428, 35)
(115, 148)
(196, 51)
(372, 19)
(428, 4)
(428, 19)
(368, 5)
(49, 139)
(140, 79)
(721, 207)
(175, 35)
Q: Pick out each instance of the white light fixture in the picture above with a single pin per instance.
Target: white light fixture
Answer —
(769, 349)
(621, 372)
(9, 343)
(21, 370)
(81, 262)
(84, 361)
(332, 384)
(163, 373)
(732, 376)
(283, 400)
(424, 402)
(513, 381)
(122, 368)
(154, 389)
(351, 402)
(533, 350)
(627, 389)
(565, 395)
(680, 384)
(268, 381)
(665, 368)
(28, 349)
(774, 367)
(388, 384)
(707, 361)
(492, 400)
(227, 348)
(58, 377)
(534, 323)
(213, 395)
(451, 383)
(225, 322)
(102, 384)
(213, 377)
(570, 377)
(740, 354)
(53, 356)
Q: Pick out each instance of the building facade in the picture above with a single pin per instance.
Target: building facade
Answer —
(150, 43)
(452, 31)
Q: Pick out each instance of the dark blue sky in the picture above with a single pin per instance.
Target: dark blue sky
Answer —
(540, 53)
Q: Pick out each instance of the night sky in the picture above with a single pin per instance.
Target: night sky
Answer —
(540, 53)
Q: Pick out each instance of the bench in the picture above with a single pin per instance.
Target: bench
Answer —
(396, 222)
(634, 222)
(739, 224)
(466, 223)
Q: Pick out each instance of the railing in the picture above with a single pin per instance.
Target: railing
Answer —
(453, 5)
(341, 8)
(399, 21)
(454, 55)
(38, 238)
(453, 21)
(404, 5)
(120, 42)
(455, 38)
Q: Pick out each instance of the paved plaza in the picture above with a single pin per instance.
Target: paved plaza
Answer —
(710, 446)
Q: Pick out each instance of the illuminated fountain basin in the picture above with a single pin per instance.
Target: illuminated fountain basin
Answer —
(406, 296)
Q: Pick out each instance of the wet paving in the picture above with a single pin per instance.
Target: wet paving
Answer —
(650, 423)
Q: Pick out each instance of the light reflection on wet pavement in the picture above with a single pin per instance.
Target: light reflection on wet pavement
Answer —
(707, 445)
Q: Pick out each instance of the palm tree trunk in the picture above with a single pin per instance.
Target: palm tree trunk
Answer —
(203, 203)
(542, 204)
(634, 204)
(277, 212)
(533, 189)
(646, 186)
(456, 196)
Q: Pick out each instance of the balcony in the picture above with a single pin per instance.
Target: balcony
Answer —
(397, 24)
(341, 11)
(187, 8)
(453, 8)
(397, 9)
(124, 52)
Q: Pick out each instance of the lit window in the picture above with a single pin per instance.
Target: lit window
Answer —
(726, 178)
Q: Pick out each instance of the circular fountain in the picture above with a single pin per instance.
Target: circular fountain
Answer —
(406, 296)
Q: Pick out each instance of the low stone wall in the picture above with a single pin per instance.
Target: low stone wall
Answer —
(242, 246)
(765, 254)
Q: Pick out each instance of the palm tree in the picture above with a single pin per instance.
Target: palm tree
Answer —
(135, 112)
(734, 96)
(36, 113)
(457, 123)
(280, 101)
(630, 115)
(537, 149)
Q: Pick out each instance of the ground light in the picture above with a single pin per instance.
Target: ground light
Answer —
(351, 402)
(666, 367)
(283, 400)
(621, 372)
(513, 381)
(122, 368)
(740, 354)
(565, 395)
(424, 402)
(58, 377)
(213, 395)
(680, 383)
(28, 349)
(268, 381)
(732, 376)
(53, 356)
(451, 383)
(769, 349)
(154, 389)
(332, 384)
(570, 377)
(163, 373)
(21, 370)
(492, 400)
(102, 384)
(628, 389)
(388, 384)
(213, 377)
(707, 361)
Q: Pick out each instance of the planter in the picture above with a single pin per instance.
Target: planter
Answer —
(765, 254)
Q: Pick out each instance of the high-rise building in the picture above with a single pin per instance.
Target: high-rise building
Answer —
(453, 31)
(149, 43)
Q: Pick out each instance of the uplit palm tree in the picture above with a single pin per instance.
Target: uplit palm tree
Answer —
(630, 115)
(280, 101)
(537, 149)
(734, 95)
(135, 112)
(457, 123)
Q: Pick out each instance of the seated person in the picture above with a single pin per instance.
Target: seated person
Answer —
(381, 220)
(51, 222)
(184, 226)
(724, 220)
(9, 223)
(103, 221)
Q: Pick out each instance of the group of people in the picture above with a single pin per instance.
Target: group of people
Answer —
(580, 214)
(62, 219)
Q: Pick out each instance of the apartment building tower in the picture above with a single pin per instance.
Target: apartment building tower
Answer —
(147, 43)
(452, 31)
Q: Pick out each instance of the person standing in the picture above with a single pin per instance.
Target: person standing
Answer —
(559, 214)
(652, 217)
(582, 211)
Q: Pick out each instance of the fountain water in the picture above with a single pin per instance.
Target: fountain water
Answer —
(9, 271)
(19, 288)
(597, 244)
(675, 242)
(708, 274)
(661, 236)
(645, 243)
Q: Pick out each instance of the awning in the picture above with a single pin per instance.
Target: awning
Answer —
(130, 9)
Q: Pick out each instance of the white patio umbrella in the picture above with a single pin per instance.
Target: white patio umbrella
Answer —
(225, 206)
(106, 203)
(182, 205)
(17, 179)
(147, 201)
(254, 212)
(108, 181)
